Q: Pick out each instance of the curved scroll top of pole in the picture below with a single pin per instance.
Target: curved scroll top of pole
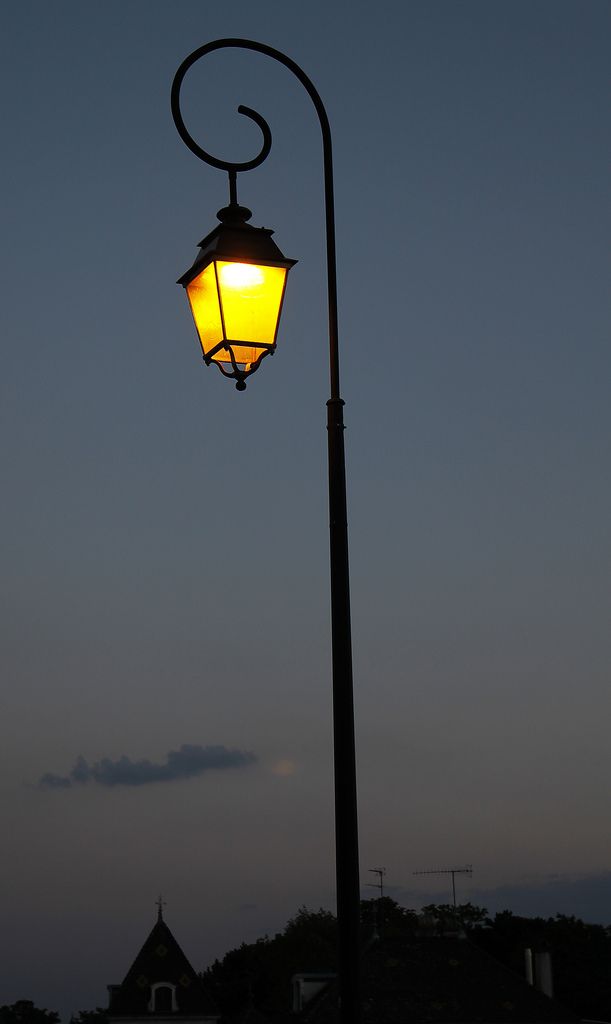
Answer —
(244, 44)
(223, 165)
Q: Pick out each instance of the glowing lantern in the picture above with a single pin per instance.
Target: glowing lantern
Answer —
(235, 289)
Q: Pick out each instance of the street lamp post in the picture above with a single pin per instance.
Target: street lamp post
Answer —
(237, 344)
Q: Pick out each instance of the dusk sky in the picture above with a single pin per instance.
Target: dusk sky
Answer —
(166, 686)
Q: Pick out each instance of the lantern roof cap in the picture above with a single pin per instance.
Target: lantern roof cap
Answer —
(235, 240)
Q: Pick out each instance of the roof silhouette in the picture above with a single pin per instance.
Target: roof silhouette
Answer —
(161, 960)
(440, 980)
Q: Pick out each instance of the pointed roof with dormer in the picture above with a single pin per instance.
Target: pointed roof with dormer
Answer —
(161, 964)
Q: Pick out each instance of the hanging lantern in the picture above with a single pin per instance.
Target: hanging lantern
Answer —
(235, 289)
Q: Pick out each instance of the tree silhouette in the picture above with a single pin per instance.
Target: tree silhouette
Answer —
(97, 1016)
(258, 975)
(448, 917)
(24, 1012)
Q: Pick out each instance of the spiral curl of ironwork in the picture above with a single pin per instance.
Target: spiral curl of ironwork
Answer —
(189, 141)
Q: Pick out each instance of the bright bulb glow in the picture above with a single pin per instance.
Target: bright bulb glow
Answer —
(240, 275)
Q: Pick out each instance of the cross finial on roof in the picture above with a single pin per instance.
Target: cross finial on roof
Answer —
(160, 904)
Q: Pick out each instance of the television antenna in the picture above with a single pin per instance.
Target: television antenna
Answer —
(467, 870)
(380, 872)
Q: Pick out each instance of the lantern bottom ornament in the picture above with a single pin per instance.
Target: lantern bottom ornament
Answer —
(236, 289)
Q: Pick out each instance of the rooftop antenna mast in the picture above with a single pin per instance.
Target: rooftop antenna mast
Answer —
(467, 870)
(380, 872)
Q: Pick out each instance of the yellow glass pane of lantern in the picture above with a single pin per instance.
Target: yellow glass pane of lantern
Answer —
(251, 296)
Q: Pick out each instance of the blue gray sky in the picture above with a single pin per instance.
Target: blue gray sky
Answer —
(165, 565)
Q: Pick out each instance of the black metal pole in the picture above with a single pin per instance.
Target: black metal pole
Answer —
(346, 822)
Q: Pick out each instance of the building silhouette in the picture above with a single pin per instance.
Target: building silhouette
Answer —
(161, 983)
